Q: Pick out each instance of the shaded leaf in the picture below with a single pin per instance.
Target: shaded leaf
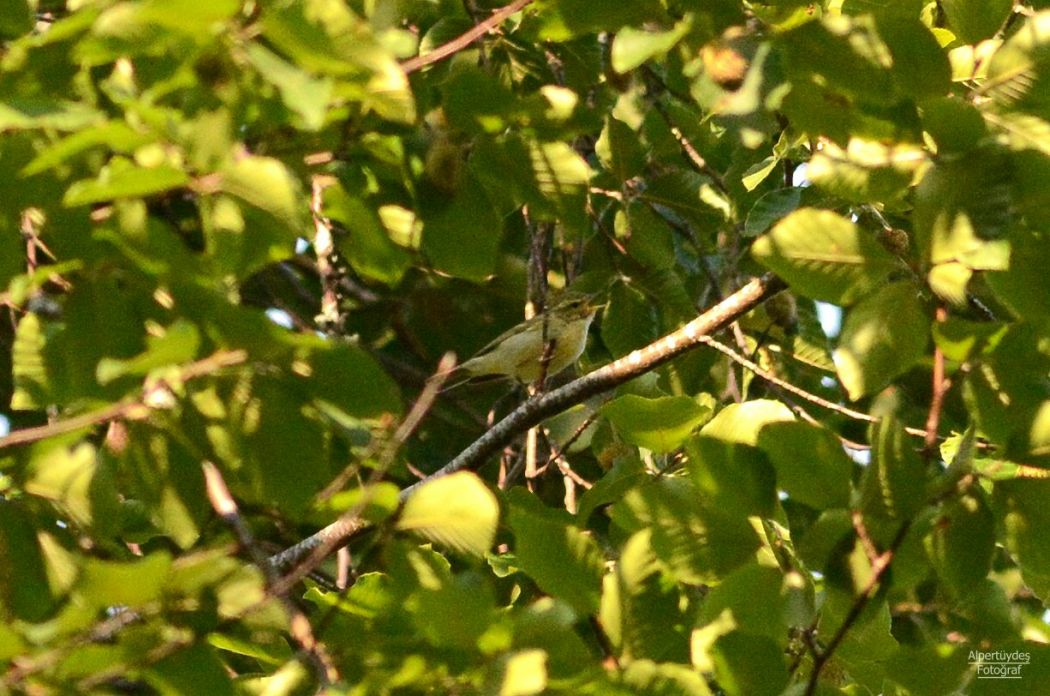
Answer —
(563, 560)
(883, 336)
(810, 463)
(660, 425)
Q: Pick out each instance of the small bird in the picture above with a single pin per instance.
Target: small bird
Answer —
(518, 352)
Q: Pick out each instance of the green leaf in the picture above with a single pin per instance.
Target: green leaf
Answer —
(974, 20)
(921, 69)
(193, 670)
(1021, 131)
(563, 561)
(31, 112)
(639, 610)
(328, 38)
(367, 245)
(666, 679)
(522, 673)
(550, 177)
(468, 221)
(303, 94)
(949, 280)
(647, 237)
(696, 541)
(267, 184)
(1017, 73)
(632, 47)
(866, 171)
(660, 425)
(24, 589)
(726, 464)
(629, 321)
(930, 669)
(121, 179)
(456, 614)
(375, 503)
(962, 543)
(16, 18)
(618, 150)
(894, 483)
(963, 209)
(33, 387)
(811, 465)
(186, 15)
(1009, 396)
(568, 19)
(114, 135)
(133, 584)
(748, 664)
(956, 125)
(76, 481)
(625, 474)
(457, 510)
(178, 344)
(742, 424)
(1021, 510)
(825, 256)
(759, 172)
(771, 208)
(1029, 259)
(883, 336)
(843, 53)
(754, 598)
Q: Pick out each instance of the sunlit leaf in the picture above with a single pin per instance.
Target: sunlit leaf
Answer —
(825, 256)
(457, 511)
(122, 180)
(632, 47)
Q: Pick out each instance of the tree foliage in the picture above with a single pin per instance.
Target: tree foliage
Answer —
(236, 238)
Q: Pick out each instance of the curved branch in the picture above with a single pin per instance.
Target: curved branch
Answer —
(543, 406)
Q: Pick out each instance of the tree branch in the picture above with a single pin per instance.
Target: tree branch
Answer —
(465, 39)
(539, 408)
(132, 408)
(299, 626)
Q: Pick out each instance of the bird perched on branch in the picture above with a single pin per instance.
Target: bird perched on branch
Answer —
(519, 352)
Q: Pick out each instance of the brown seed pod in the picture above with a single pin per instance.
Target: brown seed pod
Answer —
(724, 60)
(896, 241)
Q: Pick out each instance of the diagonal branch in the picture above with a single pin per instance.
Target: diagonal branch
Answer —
(543, 406)
(465, 39)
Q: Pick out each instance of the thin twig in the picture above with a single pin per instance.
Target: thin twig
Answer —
(298, 624)
(689, 150)
(537, 409)
(465, 39)
(315, 555)
(134, 408)
(539, 252)
(330, 318)
(940, 386)
(878, 568)
(789, 387)
(403, 432)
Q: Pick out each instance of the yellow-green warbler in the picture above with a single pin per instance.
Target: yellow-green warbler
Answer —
(518, 352)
